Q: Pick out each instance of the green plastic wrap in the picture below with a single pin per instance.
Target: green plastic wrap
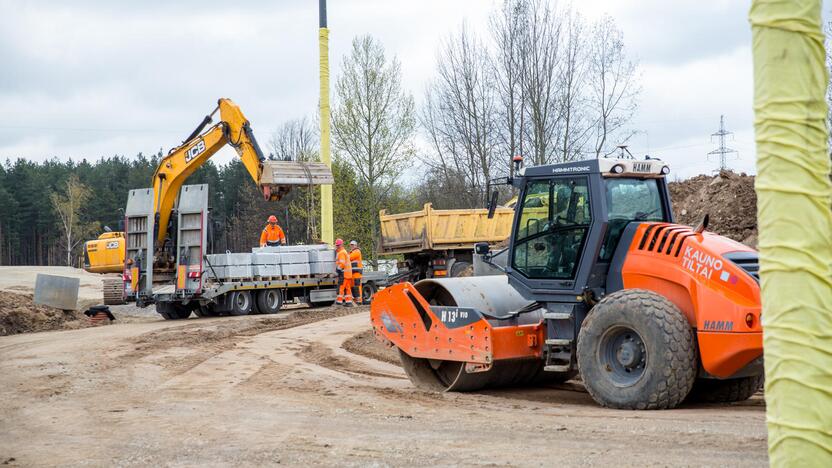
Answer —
(794, 196)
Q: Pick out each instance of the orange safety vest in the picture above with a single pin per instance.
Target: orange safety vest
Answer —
(272, 234)
(356, 263)
(342, 262)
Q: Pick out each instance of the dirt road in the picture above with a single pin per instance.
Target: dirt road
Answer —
(281, 390)
(21, 279)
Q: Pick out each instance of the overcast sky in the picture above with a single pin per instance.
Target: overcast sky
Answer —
(87, 79)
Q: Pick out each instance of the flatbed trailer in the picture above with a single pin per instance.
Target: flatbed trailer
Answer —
(191, 285)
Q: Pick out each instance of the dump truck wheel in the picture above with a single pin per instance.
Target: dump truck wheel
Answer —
(269, 301)
(241, 303)
(113, 291)
(173, 310)
(460, 268)
(636, 351)
(725, 391)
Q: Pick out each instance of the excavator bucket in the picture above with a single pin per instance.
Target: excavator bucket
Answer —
(459, 334)
(279, 177)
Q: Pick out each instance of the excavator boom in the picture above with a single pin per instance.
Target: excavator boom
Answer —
(273, 178)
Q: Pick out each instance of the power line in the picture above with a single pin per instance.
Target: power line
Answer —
(722, 150)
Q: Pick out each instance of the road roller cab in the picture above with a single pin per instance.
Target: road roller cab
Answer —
(598, 278)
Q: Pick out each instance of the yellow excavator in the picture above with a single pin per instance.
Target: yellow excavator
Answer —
(151, 231)
(110, 253)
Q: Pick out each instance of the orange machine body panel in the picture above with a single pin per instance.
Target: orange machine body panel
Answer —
(720, 299)
(400, 315)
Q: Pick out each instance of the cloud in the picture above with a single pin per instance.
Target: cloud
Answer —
(97, 78)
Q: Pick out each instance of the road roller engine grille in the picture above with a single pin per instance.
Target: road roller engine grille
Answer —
(402, 316)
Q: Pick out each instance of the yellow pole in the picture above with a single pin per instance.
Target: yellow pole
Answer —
(794, 195)
(327, 230)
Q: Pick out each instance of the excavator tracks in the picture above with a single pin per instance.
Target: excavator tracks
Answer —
(113, 289)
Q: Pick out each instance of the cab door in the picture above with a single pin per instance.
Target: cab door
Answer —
(548, 256)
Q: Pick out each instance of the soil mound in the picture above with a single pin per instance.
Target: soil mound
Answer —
(365, 344)
(20, 314)
(728, 198)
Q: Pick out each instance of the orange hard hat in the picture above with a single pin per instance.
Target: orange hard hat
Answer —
(272, 219)
(339, 242)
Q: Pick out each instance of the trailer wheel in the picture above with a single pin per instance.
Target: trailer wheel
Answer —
(173, 310)
(241, 303)
(206, 310)
(368, 290)
(269, 301)
(725, 391)
(636, 351)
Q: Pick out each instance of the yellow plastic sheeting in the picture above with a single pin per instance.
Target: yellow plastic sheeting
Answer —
(327, 230)
(795, 224)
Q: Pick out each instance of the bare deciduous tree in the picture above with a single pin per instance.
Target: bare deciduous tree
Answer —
(540, 60)
(507, 30)
(575, 128)
(69, 205)
(459, 115)
(295, 140)
(373, 120)
(614, 87)
(557, 89)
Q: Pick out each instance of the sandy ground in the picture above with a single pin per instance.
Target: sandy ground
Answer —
(22, 279)
(266, 390)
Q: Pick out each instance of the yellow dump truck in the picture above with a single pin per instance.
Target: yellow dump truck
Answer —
(440, 243)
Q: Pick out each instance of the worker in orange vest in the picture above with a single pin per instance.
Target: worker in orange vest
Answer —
(357, 264)
(272, 235)
(344, 269)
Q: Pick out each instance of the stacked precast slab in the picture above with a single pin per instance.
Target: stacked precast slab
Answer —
(273, 262)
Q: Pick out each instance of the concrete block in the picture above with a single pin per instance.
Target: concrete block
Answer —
(59, 292)
(294, 269)
(323, 255)
(262, 258)
(215, 272)
(238, 271)
(293, 258)
(267, 270)
(230, 259)
(322, 268)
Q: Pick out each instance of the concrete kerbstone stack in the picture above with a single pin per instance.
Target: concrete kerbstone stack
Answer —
(281, 261)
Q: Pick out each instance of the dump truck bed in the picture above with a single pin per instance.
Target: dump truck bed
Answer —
(431, 229)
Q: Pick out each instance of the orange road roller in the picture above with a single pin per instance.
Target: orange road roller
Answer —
(597, 280)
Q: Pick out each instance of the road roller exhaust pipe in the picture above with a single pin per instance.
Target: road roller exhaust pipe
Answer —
(462, 334)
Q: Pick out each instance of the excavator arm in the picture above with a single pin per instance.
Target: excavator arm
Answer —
(274, 178)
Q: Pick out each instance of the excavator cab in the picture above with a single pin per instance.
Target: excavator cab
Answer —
(599, 279)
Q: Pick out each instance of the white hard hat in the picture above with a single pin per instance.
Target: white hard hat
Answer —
(353, 242)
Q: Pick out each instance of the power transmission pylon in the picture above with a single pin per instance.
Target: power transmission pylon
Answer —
(723, 150)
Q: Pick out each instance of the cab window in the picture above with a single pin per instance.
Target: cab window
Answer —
(629, 200)
(552, 227)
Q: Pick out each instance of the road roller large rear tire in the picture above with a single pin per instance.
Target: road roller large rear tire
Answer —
(725, 391)
(636, 351)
